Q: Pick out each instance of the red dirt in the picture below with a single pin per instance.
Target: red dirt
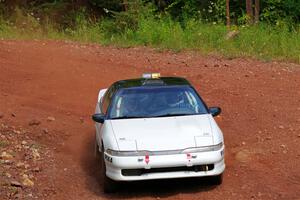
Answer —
(260, 119)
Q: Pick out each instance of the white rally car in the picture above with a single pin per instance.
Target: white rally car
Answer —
(156, 128)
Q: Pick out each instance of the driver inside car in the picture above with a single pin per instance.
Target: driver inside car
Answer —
(174, 99)
(129, 107)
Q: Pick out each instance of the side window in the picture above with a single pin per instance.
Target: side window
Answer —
(107, 99)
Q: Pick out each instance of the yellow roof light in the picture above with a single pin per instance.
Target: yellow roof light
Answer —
(151, 75)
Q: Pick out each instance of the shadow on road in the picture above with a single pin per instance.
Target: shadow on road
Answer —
(153, 188)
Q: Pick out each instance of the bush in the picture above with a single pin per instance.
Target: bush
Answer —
(281, 11)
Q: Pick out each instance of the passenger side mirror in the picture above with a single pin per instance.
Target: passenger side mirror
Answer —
(100, 118)
(214, 111)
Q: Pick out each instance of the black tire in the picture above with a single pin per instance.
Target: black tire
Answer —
(217, 180)
(96, 151)
(109, 186)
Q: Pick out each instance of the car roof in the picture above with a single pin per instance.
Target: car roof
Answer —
(144, 82)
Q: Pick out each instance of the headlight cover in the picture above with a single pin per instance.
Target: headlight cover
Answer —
(125, 153)
(204, 148)
(168, 152)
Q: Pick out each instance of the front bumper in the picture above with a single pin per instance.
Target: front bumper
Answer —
(165, 166)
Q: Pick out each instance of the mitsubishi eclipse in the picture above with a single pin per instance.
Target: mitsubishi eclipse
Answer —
(156, 128)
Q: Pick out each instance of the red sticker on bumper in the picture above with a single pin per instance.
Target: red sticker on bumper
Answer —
(188, 156)
(147, 159)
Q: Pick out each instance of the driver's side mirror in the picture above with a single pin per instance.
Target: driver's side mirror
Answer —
(214, 111)
(100, 118)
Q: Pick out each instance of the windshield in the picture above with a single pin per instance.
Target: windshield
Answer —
(156, 102)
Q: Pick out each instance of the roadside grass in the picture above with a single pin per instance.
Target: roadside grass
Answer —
(259, 41)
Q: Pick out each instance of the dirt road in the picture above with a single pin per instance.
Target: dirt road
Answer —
(57, 83)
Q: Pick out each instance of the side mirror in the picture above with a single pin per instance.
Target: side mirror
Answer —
(214, 111)
(100, 118)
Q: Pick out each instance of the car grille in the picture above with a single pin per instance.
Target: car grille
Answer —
(139, 172)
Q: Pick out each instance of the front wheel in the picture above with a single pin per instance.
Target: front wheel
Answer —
(96, 151)
(217, 180)
(109, 186)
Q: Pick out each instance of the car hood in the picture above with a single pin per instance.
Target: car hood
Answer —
(164, 133)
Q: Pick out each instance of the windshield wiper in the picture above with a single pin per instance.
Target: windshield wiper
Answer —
(129, 117)
(173, 114)
(164, 115)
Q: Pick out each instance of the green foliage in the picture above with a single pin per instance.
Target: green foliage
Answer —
(206, 10)
(122, 21)
(281, 11)
(63, 12)
(115, 5)
(260, 41)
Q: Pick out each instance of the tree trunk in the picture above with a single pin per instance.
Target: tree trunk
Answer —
(228, 13)
(125, 3)
(249, 9)
(257, 10)
(11, 4)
